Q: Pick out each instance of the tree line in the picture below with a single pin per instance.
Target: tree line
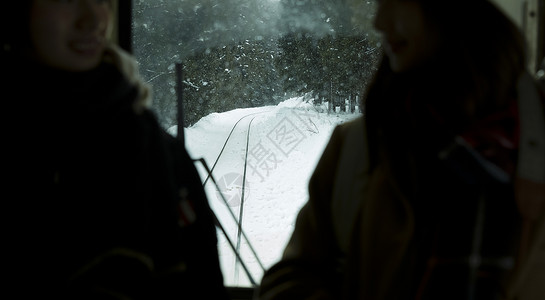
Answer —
(247, 53)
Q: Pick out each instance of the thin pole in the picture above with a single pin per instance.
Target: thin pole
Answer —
(180, 102)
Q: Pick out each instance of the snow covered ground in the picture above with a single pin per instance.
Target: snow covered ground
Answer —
(284, 145)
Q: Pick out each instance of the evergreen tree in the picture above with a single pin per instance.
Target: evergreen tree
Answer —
(234, 55)
(233, 76)
(334, 56)
(235, 33)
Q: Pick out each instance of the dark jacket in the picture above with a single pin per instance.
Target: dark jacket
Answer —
(360, 237)
(100, 203)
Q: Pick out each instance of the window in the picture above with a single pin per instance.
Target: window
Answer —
(264, 82)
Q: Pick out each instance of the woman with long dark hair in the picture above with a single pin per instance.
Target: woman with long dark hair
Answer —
(99, 201)
(437, 191)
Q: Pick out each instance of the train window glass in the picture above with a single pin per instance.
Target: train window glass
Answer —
(263, 83)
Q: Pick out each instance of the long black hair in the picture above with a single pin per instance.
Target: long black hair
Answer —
(14, 26)
(474, 74)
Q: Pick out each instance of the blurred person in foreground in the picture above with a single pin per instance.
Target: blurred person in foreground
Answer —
(438, 191)
(99, 202)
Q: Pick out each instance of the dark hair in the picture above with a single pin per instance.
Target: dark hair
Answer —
(481, 57)
(14, 25)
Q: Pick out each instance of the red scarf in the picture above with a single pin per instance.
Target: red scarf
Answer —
(496, 138)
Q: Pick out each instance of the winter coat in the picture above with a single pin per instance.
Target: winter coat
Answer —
(353, 238)
(100, 202)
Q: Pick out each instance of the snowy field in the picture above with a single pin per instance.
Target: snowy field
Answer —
(269, 177)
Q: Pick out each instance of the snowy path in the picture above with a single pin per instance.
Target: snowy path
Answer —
(285, 143)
